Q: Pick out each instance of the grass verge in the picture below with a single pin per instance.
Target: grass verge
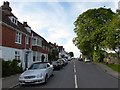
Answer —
(114, 67)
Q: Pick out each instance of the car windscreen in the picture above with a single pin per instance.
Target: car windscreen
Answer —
(37, 66)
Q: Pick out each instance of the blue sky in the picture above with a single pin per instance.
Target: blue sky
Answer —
(53, 19)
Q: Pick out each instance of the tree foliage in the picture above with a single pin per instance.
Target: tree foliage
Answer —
(54, 54)
(71, 54)
(97, 30)
(112, 40)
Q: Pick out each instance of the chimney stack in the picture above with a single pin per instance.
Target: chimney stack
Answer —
(25, 24)
(6, 3)
(6, 8)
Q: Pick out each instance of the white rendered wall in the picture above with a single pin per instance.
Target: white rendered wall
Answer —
(9, 54)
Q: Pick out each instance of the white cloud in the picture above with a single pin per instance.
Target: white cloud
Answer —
(55, 18)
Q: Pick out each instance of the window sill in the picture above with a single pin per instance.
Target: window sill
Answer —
(18, 43)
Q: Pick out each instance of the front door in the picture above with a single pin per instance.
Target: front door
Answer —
(26, 61)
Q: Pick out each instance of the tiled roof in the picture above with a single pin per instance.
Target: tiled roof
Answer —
(35, 34)
(5, 19)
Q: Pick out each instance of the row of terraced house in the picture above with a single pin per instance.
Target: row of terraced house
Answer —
(20, 42)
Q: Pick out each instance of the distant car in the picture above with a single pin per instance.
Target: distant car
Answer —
(37, 73)
(61, 62)
(87, 60)
(65, 61)
(69, 59)
(56, 65)
(80, 59)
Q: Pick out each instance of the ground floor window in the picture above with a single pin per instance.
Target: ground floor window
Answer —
(17, 55)
(36, 56)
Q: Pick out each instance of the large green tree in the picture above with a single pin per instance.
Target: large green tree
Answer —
(112, 40)
(90, 30)
(71, 54)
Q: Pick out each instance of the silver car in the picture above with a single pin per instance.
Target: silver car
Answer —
(37, 73)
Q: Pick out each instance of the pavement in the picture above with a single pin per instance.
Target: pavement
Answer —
(108, 70)
(12, 81)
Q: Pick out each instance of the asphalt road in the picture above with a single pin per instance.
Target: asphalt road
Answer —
(78, 74)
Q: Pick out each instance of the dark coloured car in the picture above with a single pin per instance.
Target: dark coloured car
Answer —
(80, 59)
(56, 65)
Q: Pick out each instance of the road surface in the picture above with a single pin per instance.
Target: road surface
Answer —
(78, 74)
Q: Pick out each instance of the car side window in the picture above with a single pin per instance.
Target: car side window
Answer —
(48, 65)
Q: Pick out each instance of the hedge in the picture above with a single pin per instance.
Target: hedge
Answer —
(10, 68)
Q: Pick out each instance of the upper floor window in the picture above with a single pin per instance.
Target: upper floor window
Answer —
(18, 38)
(13, 20)
(34, 41)
(28, 29)
(27, 40)
(37, 41)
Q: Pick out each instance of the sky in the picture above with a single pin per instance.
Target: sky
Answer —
(54, 19)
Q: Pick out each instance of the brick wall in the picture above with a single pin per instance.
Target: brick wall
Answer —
(39, 49)
(8, 38)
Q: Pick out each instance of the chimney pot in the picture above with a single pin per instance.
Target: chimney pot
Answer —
(6, 3)
(25, 23)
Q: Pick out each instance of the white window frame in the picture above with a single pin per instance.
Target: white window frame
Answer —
(34, 41)
(37, 42)
(27, 39)
(14, 20)
(18, 38)
(17, 55)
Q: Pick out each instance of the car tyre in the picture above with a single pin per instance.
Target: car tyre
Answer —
(46, 79)
(52, 74)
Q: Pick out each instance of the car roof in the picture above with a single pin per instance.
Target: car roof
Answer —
(40, 62)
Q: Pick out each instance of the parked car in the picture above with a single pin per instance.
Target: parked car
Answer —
(69, 59)
(61, 62)
(38, 72)
(80, 59)
(56, 65)
(66, 61)
(87, 60)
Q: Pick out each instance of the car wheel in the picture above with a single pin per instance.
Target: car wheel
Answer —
(52, 74)
(46, 79)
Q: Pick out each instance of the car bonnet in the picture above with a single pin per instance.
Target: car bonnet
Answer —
(33, 72)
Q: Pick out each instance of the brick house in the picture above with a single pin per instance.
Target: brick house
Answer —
(19, 41)
(16, 37)
(40, 47)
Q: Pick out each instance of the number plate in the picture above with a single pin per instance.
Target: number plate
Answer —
(28, 81)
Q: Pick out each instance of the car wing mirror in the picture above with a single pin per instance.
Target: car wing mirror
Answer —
(51, 65)
(26, 69)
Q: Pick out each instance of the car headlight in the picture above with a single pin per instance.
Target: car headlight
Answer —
(39, 76)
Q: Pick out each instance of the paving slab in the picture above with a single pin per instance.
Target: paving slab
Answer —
(10, 82)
